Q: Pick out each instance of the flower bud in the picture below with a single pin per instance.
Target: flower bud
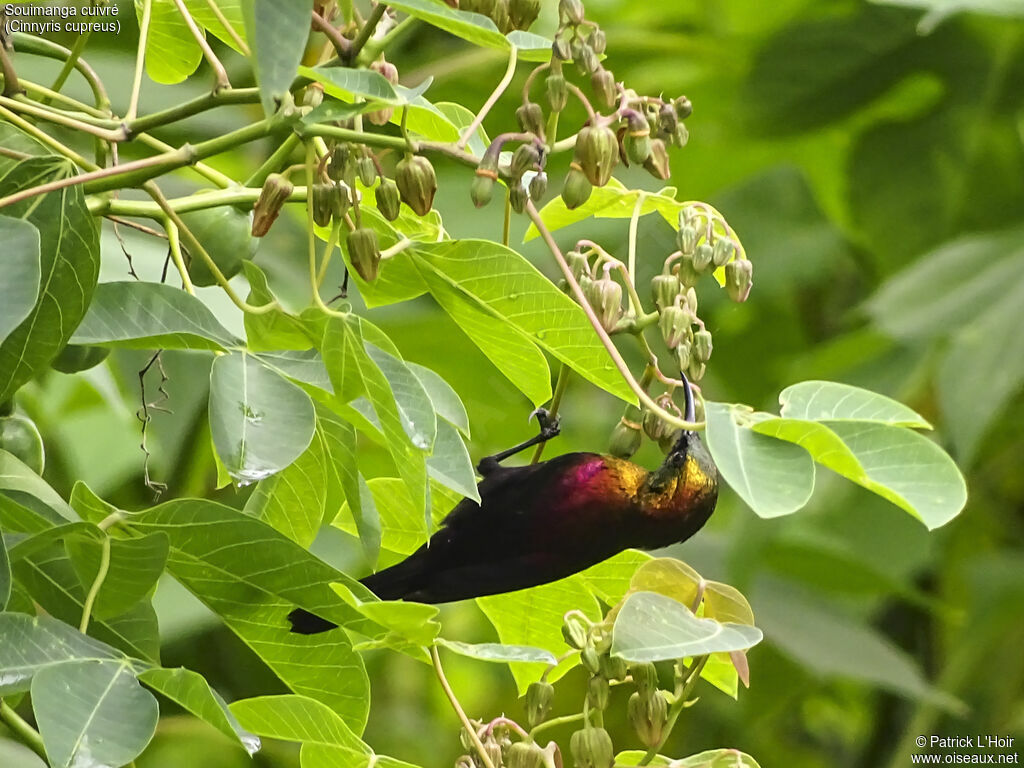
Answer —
(538, 701)
(683, 354)
(637, 140)
(597, 41)
(664, 290)
(561, 49)
(342, 165)
(557, 90)
(574, 632)
(686, 238)
(577, 188)
(578, 264)
(586, 60)
(680, 136)
(702, 346)
(388, 201)
(602, 82)
(416, 183)
(486, 7)
(597, 151)
(592, 748)
(525, 158)
(524, 754)
(702, 256)
(674, 324)
(531, 118)
(645, 677)
(483, 183)
(390, 73)
(597, 692)
(683, 107)
(613, 667)
(670, 439)
(691, 301)
(724, 250)
(522, 13)
(323, 203)
(605, 296)
(648, 714)
(493, 750)
(625, 441)
(590, 659)
(738, 279)
(570, 11)
(688, 274)
(364, 252)
(313, 95)
(667, 120)
(654, 427)
(538, 185)
(696, 370)
(517, 195)
(601, 639)
(658, 163)
(500, 17)
(469, 6)
(367, 170)
(275, 192)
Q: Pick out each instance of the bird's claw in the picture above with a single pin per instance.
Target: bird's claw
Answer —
(550, 426)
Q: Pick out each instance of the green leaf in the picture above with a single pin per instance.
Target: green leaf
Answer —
(712, 758)
(190, 690)
(500, 652)
(773, 478)
(415, 623)
(462, 118)
(50, 534)
(277, 34)
(138, 315)
(274, 330)
(172, 53)
(653, 627)
(533, 617)
(301, 365)
(260, 421)
(135, 567)
(348, 83)
(20, 287)
(446, 401)
(414, 406)
(902, 466)
(15, 476)
(5, 574)
(450, 464)
(92, 713)
(353, 372)
(69, 259)
(609, 581)
(474, 28)
(29, 644)
(484, 286)
(831, 401)
(298, 718)
(231, 10)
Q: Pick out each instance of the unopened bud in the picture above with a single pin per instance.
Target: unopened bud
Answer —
(739, 279)
(658, 163)
(648, 714)
(691, 300)
(590, 659)
(680, 136)
(688, 274)
(493, 750)
(417, 183)
(592, 748)
(517, 195)
(577, 188)
(390, 73)
(586, 60)
(683, 354)
(654, 427)
(275, 192)
(683, 107)
(625, 441)
(525, 158)
(342, 166)
(561, 49)
(602, 82)
(696, 370)
(387, 198)
(664, 290)
(702, 257)
(578, 264)
(637, 139)
(605, 296)
(645, 677)
(313, 95)
(686, 238)
(522, 13)
(702, 346)
(613, 667)
(367, 170)
(500, 16)
(574, 632)
(597, 151)
(323, 203)
(486, 175)
(674, 324)
(570, 11)
(597, 692)
(538, 185)
(597, 41)
(531, 118)
(539, 696)
(557, 90)
(724, 250)
(669, 440)
(667, 119)
(524, 754)
(364, 252)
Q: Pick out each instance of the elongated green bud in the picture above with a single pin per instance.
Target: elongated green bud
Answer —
(602, 82)
(587, 61)
(590, 659)
(667, 120)
(613, 667)
(683, 354)
(702, 346)
(702, 257)
(539, 696)
(390, 73)
(364, 252)
(625, 441)
(664, 290)
(388, 201)
(597, 692)
(696, 370)
(739, 279)
(686, 238)
(500, 16)
(578, 264)
(648, 714)
(605, 296)
(517, 195)
(538, 185)
(592, 748)
(525, 158)
(597, 151)
(688, 274)
(674, 324)
(645, 677)
(557, 90)
(486, 175)
(597, 41)
(417, 183)
(680, 136)
(570, 11)
(367, 170)
(574, 632)
(524, 754)
(343, 163)
(323, 203)
(637, 138)
(522, 13)
(658, 163)
(654, 427)
(561, 49)
(724, 250)
(531, 118)
(577, 188)
(275, 192)
(683, 107)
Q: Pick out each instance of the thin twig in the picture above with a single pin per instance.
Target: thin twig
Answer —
(366, 32)
(52, 116)
(143, 415)
(46, 139)
(556, 401)
(221, 74)
(40, 46)
(242, 45)
(510, 71)
(140, 60)
(11, 84)
(69, 64)
(341, 44)
(481, 752)
(94, 590)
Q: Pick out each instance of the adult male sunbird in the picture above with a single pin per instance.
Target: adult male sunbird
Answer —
(542, 522)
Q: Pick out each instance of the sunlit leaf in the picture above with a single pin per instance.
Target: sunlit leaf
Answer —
(134, 568)
(500, 652)
(172, 53)
(832, 401)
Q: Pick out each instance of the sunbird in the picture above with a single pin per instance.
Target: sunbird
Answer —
(542, 522)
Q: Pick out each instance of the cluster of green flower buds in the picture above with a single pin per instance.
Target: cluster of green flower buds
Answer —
(330, 201)
(275, 192)
(605, 297)
(417, 183)
(592, 748)
(390, 73)
(507, 15)
(648, 714)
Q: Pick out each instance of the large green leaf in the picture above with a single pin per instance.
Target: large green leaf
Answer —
(260, 421)
(193, 693)
(533, 617)
(69, 262)
(150, 316)
(231, 10)
(771, 476)
(832, 401)
(20, 287)
(500, 652)
(15, 476)
(277, 34)
(447, 403)
(414, 405)
(172, 53)
(134, 568)
(92, 713)
(273, 330)
(653, 627)
(482, 285)
(5, 573)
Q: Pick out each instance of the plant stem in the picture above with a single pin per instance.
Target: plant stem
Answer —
(366, 31)
(140, 60)
(676, 708)
(340, 42)
(11, 84)
(103, 206)
(403, 27)
(510, 71)
(41, 47)
(314, 274)
(192, 107)
(273, 163)
(221, 74)
(69, 64)
(30, 108)
(634, 221)
(556, 401)
(94, 590)
(46, 139)
(216, 11)
(506, 228)
(609, 345)
(174, 244)
(218, 178)
(481, 752)
(563, 720)
(26, 734)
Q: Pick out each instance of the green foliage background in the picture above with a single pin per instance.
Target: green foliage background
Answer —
(876, 176)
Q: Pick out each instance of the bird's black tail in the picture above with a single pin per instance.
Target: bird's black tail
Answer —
(394, 583)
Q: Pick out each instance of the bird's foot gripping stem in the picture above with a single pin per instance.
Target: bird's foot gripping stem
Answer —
(549, 427)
